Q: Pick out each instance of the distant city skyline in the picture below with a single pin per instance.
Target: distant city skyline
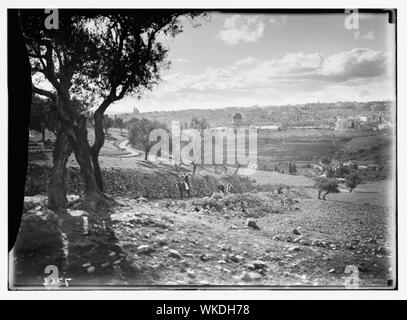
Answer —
(241, 60)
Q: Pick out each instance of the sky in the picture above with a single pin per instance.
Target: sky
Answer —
(241, 60)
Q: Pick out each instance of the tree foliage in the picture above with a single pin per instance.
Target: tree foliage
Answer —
(40, 117)
(199, 124)
(352, 181)
(96, 57)
(139, 133)
(325, 184)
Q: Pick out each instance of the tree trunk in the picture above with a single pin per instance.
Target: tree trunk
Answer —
(43, 134)
(74, 125)
(56, 187)
(97, 171)
(81, 149)
(146, 149)
(95, 150)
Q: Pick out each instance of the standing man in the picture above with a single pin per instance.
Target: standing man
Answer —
(187, 185)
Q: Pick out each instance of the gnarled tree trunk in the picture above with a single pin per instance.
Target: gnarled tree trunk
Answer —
(97, 145)
(56, 187)
(74, 124)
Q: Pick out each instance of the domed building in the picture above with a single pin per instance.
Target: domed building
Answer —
(238, 122)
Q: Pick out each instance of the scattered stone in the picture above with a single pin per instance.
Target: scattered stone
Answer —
(144, 248)
(362, 267)
(85, 265)
(251, 276)
(251, 266)
(76, 213)
(204, 257)
(294, 249)
(191, 274)
(380, 250)
(258, 264)
(162, 240)
(236, 258)
(332, 270)
(174, 254)
(221, 262)
(295, 231)
(304, 242)
(90, 269)
(252, 224)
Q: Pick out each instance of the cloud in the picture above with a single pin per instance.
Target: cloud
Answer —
(246, 61)
(356, 63)
(294, 68)
(359, 74)
(238, 28)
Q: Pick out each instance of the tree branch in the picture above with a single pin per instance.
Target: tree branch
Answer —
(43, 92)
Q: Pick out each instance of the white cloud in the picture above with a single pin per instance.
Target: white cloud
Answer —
(240, 28)
(356, 63)
(246, 61)
(293, 69)
(359, 74)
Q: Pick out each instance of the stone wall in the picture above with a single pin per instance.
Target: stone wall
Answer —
(154, 183)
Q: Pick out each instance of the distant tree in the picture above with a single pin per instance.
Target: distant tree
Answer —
(292, 168)
(328, 185)
(352, 181)
(326, 161)
(341, 171)
(139, 133)
(199, 124)
(40, 115)
(329, 172)
(119, 123)
(108, 122)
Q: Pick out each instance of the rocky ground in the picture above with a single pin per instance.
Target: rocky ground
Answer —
(256, 239)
